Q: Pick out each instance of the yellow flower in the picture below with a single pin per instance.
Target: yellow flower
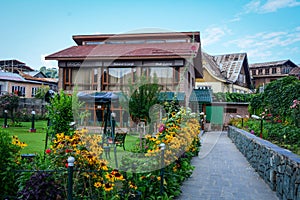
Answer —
(97, 184)
(132, 185)
(108, 187)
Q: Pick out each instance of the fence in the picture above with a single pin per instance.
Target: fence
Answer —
(26, 105)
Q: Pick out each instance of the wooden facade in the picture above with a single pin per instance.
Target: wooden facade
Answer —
(109, 63)
(264, 73)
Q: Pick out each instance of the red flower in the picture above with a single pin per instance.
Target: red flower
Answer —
(48, 151)
(68, 150)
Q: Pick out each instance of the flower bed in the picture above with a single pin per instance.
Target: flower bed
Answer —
(95, 178)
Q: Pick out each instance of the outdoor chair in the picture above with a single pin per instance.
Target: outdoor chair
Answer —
(119, 139)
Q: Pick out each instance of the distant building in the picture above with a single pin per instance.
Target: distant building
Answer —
(14, 66)
(225, 73)
(16, 77)
(264, 73)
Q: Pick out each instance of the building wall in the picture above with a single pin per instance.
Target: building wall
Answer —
(28, 87)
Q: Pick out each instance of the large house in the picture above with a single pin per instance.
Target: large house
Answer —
(264, 73)
(109, 63)
(225, 73)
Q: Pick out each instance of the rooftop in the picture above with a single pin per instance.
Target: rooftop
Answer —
(271, 64)
(112, 51)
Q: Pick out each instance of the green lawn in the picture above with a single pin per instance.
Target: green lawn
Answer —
(36, 141)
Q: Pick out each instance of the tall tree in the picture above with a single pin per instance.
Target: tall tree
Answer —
(140, 97)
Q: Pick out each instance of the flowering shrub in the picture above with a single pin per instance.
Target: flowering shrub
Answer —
(295, 107)
(179, 132)
(92, 177)
(10, 148)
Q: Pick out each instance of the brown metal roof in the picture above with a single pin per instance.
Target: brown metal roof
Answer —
(268, 64)
(128, 36)
(111, 51)
(295, 71)
(29, 77)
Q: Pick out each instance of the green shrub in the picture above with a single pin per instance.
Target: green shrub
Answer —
(9, 159)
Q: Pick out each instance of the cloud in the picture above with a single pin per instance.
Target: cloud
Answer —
(48, 63)
(256, 6)
(261, 45)
(213, 35)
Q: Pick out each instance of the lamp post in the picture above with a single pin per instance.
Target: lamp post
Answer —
(113, 124)
(5, 119)
(202, 120)
(71, 161)
(162, 148)
(261, 124)
(239, 116)
(32, 130)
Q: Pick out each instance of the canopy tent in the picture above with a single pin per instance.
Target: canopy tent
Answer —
(98, 97)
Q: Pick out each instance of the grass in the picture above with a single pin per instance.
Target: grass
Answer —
(36, 141)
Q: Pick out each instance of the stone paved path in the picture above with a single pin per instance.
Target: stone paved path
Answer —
(222, 172)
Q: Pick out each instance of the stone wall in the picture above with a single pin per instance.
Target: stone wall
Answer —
(278, 167)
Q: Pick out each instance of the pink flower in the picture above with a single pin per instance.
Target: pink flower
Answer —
(252, 131)
(161, 128)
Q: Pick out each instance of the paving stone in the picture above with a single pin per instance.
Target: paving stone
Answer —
(223, 173)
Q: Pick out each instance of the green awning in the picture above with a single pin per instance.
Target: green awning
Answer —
(201, 96)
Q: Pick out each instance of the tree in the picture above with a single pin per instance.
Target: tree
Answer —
(42, 91)
(49, 72)
(9, 102)
(60, 113)
(142, 95)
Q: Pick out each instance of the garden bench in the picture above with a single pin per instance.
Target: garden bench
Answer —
(119, 139)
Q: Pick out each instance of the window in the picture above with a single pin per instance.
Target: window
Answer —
(266, 71)
(260, 72)
(254, 72)
(285, 70)
(119, 77)
(18, 90)
(67, 77)
(274, 70)
(33, 91)
(167, 76)
(230, 110)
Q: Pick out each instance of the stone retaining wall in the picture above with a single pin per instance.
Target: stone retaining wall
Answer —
(278, 167)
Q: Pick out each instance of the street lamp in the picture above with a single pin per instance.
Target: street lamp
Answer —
(162, 148)
(202, 120)
(32, 130)
(5, 119)
(239, 116)
(113, 125)
(261, 123)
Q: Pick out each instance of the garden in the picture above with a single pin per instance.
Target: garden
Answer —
(71, 163)
(275, 114)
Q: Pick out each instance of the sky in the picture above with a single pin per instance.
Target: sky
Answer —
(267, 30)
